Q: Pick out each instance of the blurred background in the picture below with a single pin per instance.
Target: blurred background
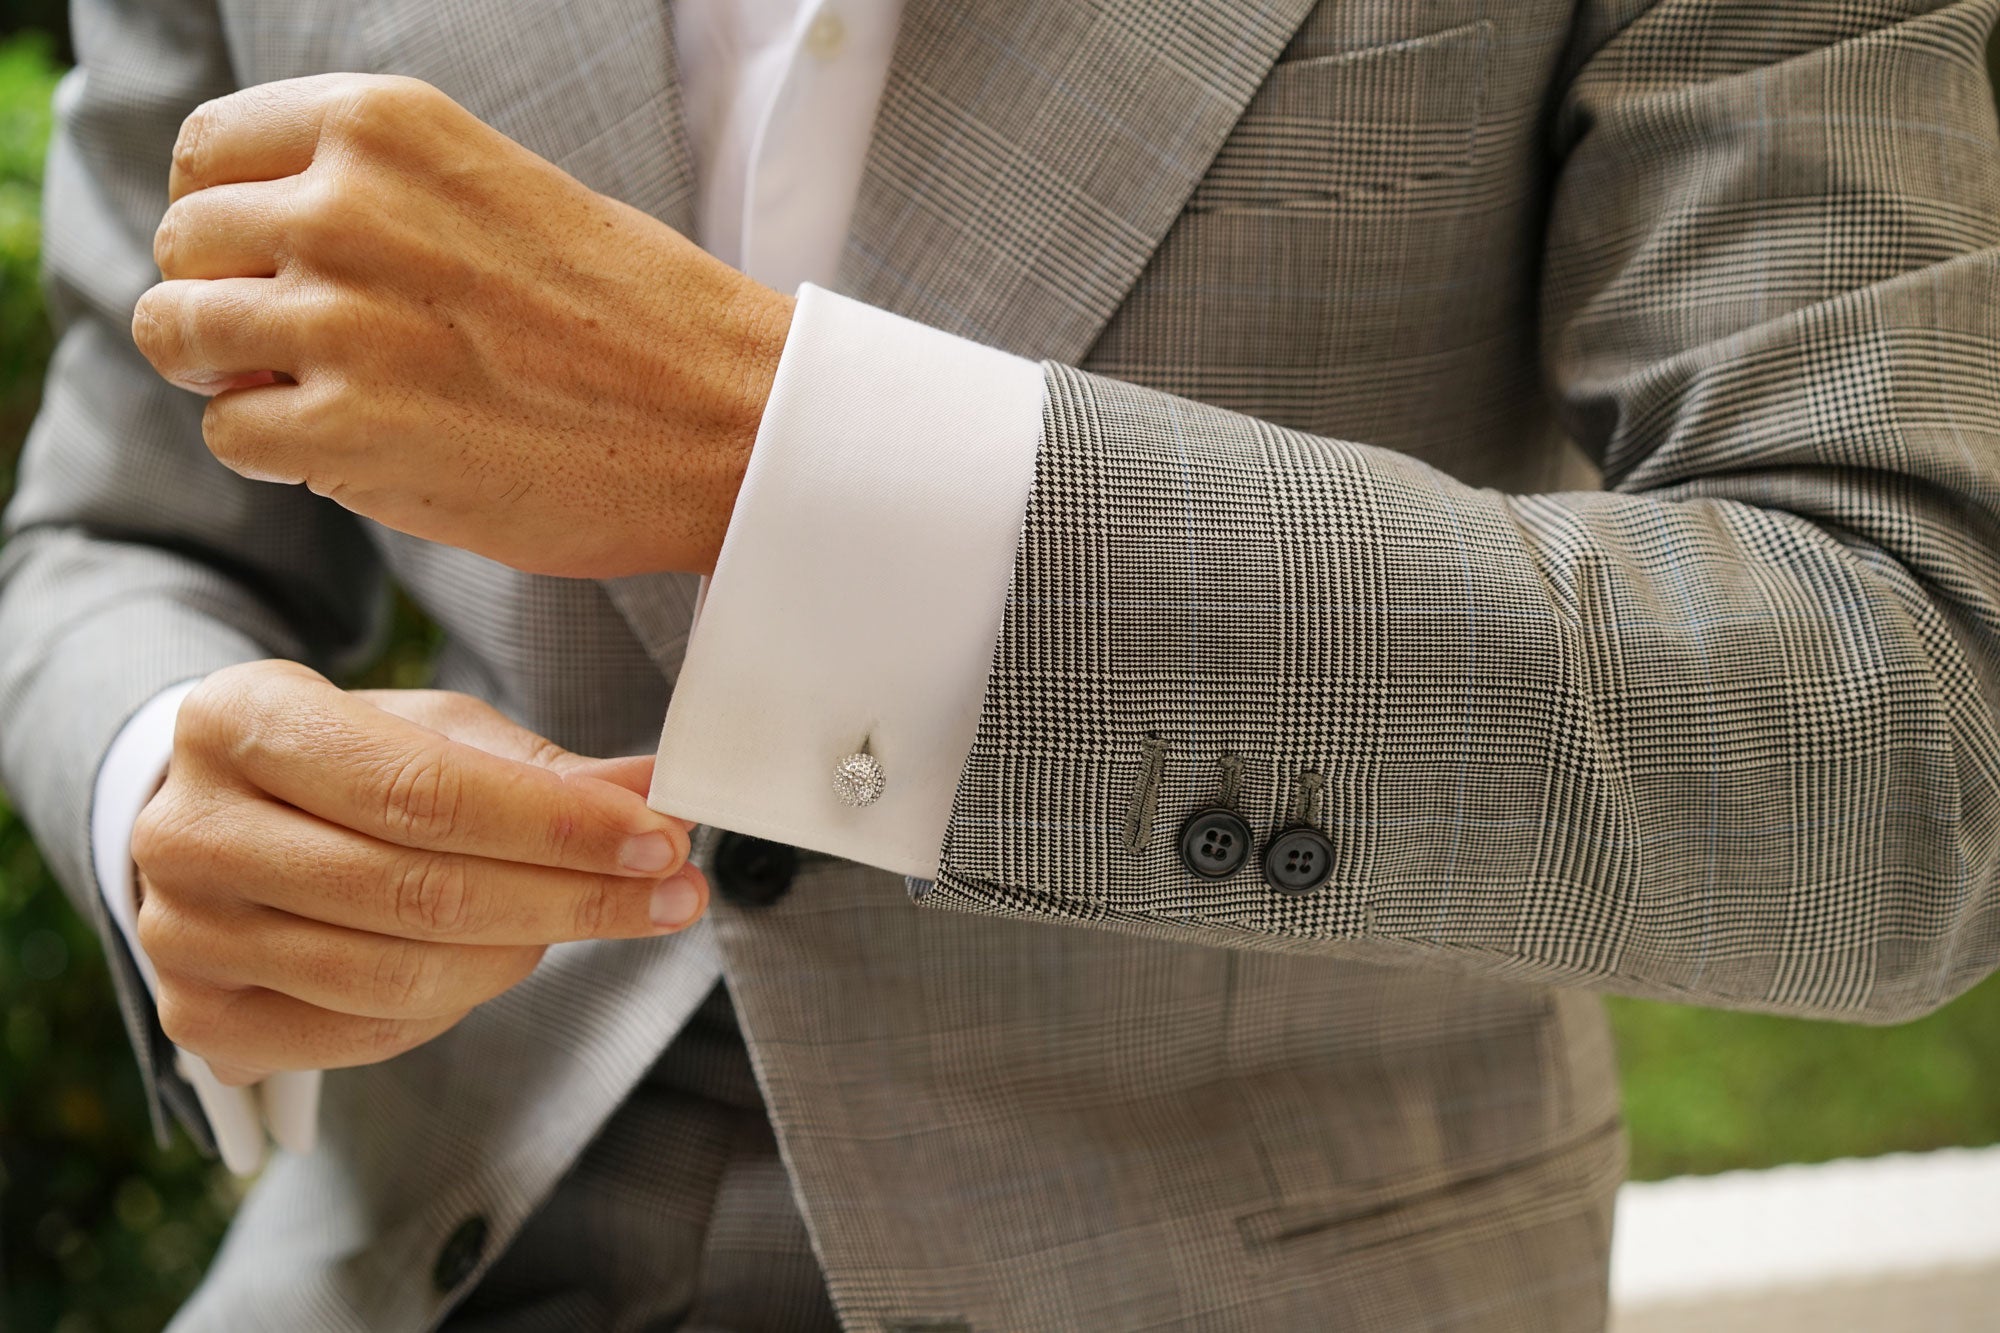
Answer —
(102, 1230)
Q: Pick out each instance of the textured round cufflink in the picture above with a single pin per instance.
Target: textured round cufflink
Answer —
(858, 780)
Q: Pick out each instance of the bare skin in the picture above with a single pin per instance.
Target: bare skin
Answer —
(331, 878)
(406, 311)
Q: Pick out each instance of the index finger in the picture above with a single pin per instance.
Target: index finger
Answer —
(256, 134)
(273, 130)
(376, 773)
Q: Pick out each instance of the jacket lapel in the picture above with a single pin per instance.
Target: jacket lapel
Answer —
(1029, 156)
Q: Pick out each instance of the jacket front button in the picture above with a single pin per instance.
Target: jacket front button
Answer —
(1215, 843)
(751, 872)
(460, 1254)
(1298, 861)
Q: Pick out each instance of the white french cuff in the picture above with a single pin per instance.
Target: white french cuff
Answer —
(857, 599)
(131, 772)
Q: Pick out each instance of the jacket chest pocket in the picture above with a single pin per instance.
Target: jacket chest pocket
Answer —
(1338, 128)
(1348, 264)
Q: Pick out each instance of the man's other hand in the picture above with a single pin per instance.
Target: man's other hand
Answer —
(331, 878)
(409, 312)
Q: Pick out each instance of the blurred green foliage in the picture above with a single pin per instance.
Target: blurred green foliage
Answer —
(102, 1230)
(99, 1228)
(26, 80)
(50, 17)
(1709, 1091)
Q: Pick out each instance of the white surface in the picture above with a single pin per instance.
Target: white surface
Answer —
(780, 98)
(859, 592)
(1806, 1226)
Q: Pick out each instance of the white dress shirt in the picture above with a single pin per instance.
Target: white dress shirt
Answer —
(858, 594)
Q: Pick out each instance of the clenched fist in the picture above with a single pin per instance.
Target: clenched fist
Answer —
(409, 312)
(330, 879)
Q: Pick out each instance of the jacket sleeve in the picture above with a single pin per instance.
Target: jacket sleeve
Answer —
(133, 559)
(1723, 732)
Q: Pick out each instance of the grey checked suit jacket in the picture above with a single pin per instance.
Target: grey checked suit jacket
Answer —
(1347, 307)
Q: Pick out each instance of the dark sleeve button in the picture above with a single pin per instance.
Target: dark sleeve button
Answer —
(1215, 843)
(1299, 860)
(459, 1257)
(751, 872)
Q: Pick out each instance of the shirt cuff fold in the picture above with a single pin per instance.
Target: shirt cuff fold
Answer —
(857, 599)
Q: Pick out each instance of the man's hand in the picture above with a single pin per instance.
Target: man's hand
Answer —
(411, 313)
(330, 879)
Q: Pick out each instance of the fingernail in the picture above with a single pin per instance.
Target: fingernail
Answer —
(649, 853)
(675, 903)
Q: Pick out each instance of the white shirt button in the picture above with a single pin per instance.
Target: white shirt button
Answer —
(826, 35)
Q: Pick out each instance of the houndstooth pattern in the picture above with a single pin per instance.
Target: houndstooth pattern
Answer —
(1348, 306)
(1722, 731)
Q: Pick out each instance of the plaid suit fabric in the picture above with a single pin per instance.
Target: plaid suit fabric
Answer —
(687, 1207)
(1328, 290)
(1723, 731)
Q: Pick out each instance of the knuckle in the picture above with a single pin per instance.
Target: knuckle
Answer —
(423, 799)
(221, 717)
(157, 329)
(248, 443)
(566, 842)
(211, 713)
(379, 109)
(225, 436)
(595, 908)
(188, 1019)
(156, 930)
(384, 1038)
(154, 837)
(166, 236)
(433, 897)
(343, 327)
(211, 717)
(324, 408)
(191, 145)
(409, 978)
(545, 753)
(326, 209)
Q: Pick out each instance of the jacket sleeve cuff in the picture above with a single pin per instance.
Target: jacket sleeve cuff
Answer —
(857, 598)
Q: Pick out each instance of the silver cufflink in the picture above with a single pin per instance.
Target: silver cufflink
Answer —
(858, 780)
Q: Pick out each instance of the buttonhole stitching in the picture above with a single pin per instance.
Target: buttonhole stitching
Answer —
(1232, 780)
(1305, 805)
(1146, 794)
